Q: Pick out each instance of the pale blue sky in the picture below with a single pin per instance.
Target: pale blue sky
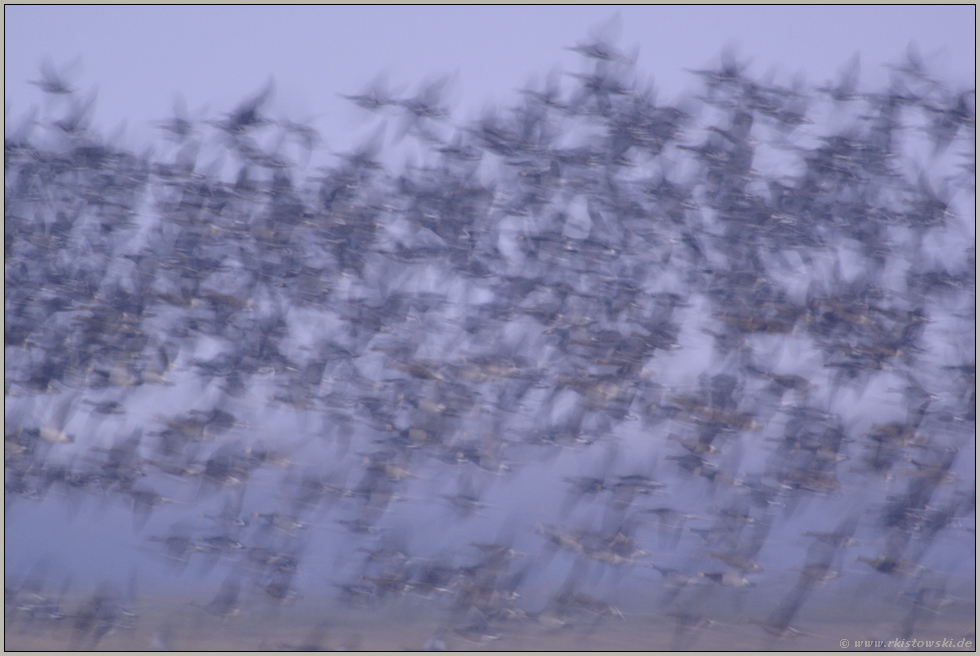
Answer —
(139, 57)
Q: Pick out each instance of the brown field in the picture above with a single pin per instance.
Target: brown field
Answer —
(408, 624)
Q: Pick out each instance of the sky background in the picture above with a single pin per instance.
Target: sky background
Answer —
(139, 58)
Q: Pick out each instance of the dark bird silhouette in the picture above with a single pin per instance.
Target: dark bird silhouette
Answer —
(53, 82)
(374, 97)
(247, 114)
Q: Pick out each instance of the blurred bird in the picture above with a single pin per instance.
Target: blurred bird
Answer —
(53, 82)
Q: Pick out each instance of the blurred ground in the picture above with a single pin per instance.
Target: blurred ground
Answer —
(408, 624)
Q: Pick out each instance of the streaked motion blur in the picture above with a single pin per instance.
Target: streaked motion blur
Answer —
(591, 372)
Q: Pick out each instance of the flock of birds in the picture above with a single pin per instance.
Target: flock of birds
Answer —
(589, 293)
